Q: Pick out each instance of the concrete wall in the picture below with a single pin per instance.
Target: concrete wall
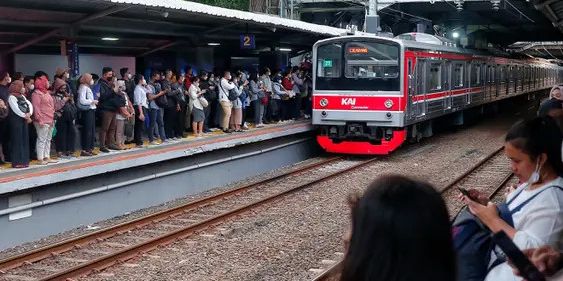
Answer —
(30, 63)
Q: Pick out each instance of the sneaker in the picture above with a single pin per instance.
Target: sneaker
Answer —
(244, 126)
(229, 131)
(42, 162)
(154, 143)
(207, 131)
(85, 153)
(51, 161)
(104, 149)
(260, 125)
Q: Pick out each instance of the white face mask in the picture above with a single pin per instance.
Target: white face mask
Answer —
(48, 84)
(22, 91)
(67, 75)
(129, 75)
(32, 87)
(92, 82)
(9, 80)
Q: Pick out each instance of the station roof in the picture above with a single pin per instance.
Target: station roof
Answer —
(143, 26)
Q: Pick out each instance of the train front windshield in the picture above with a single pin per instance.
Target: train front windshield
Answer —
(360, 66)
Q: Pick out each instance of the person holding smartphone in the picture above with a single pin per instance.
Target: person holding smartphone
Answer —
(534, 148)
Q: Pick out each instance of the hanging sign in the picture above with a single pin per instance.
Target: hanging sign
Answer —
(73, 61)
(247, 42)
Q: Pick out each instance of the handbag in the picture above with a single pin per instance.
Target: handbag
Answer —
(22, 104)
(232, 95)
(203, 101)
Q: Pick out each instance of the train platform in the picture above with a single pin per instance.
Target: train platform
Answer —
(12, 180)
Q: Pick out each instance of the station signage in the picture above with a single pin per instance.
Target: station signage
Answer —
(73, 58)
(247, 42)
(327, 63)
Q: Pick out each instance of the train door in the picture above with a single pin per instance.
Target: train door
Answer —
(416, 102)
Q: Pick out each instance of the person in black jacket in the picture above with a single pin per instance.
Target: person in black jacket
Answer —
(172, 106)
(109, 103)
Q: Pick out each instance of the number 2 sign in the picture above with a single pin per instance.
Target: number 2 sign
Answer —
(247, 41)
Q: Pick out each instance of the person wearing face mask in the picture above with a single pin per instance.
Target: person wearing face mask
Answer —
(109, 103)
(225, 85)
(553, 103)
(124, 113)
(127, 77)
(65, 115)
(5, 81)
(198, 115)
(43, 117)
(21, 111)
(141, 108)
(87, 104)
(179, 91)
(534, 214)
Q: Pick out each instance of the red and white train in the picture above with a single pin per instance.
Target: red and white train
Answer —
(371, 94)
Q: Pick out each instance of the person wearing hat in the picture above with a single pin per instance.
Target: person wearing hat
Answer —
(65, 115)
(21, 111)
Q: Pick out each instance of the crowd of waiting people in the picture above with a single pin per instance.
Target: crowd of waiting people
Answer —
(110, 113)
(401, 229)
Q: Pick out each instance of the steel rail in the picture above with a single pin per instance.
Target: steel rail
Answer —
(76, 242)
(133, 251)
(336, 267)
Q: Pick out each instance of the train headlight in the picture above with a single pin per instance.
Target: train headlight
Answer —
(388, 104)
(323, 102)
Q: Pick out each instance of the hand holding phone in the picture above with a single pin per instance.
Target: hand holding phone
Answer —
(517, 258)
(466, 192)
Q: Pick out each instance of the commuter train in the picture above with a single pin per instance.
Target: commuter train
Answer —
(371, 94)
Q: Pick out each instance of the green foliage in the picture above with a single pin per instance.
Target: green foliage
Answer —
(231, 4)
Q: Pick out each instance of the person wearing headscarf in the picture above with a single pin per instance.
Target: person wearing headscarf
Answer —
(21, 111)
(65, 113)
(553, 103)
(43, 117)
(87, 103)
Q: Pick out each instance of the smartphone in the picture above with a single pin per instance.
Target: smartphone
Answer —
(527, 270)
(466, 193)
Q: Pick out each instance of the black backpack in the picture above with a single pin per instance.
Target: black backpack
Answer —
(232, 94)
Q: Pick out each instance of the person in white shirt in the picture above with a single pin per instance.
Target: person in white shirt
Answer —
(87, 100)
(225, 85)
(18, 120)
(534, 148)
(141, 108)
(198, 114)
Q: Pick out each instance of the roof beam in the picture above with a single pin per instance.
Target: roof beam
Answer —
(165, 46)
(112, 10)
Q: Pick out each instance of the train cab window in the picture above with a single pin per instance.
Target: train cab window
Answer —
(457, 75)
(435, 71)
(329, 60)
(369, 61)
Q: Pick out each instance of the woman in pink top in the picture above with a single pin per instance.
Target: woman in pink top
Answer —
(43, 117)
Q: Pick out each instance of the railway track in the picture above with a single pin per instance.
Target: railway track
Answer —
(492, 171)
(99, 250)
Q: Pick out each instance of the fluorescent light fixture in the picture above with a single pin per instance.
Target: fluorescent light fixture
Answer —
(214, 44)
(455, 34)
(285, 50)
(110, 38)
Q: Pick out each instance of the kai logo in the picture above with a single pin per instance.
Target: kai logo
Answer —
(348, 101)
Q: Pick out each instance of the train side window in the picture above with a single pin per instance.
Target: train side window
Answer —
(435, 77)
(475, 75)
(457, 75)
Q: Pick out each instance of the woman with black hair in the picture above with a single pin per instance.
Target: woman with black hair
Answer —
(257, 99)
(534, 148)
(19, 120)
(400, 231)
(87, 104)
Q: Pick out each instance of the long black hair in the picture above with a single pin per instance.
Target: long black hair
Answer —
(400, 232)
(536, 136)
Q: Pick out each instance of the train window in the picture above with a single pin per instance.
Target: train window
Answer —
(457, 75)
(435, 82)
(475, 75)
(371, 60)
(329, 60)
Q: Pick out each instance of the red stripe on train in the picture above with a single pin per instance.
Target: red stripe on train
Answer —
(458, 92)
(347, 102)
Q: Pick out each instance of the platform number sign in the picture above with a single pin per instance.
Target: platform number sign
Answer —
(327, 63)
(247, 41)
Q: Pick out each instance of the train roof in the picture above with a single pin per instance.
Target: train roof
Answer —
(412, 44)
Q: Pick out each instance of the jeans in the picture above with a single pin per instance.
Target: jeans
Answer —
(156, 123)
(258, 111)
(44, 136)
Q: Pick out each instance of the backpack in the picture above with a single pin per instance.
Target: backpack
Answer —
(473, 240)
(232, 94)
